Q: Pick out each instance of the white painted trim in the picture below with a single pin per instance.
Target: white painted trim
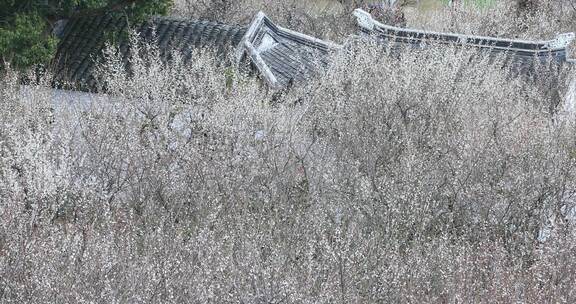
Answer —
(326, 43)
(366, 21)
(261, 64)
(561, 41)
(246, 46)
(254, 26)
(268, 42)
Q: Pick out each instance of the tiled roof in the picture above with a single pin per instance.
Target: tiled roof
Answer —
(283, 57)
(84, 40)
(517, 52)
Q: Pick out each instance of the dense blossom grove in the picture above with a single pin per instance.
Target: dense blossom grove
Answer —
(430, 176)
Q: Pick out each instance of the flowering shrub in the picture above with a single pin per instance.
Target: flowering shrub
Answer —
(333, 20)
(433, 176)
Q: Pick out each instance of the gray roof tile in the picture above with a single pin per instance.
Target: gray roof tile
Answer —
(516, 52)
(282, 56)
(84, 40)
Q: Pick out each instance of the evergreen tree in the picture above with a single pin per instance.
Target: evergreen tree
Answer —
(26, 25)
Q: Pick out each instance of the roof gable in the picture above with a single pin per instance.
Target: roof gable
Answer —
(281, 55)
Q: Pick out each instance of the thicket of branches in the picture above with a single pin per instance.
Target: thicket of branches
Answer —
(426, 177)
(534, 19)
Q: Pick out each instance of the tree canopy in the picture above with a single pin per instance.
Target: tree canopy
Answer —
(26, 25)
